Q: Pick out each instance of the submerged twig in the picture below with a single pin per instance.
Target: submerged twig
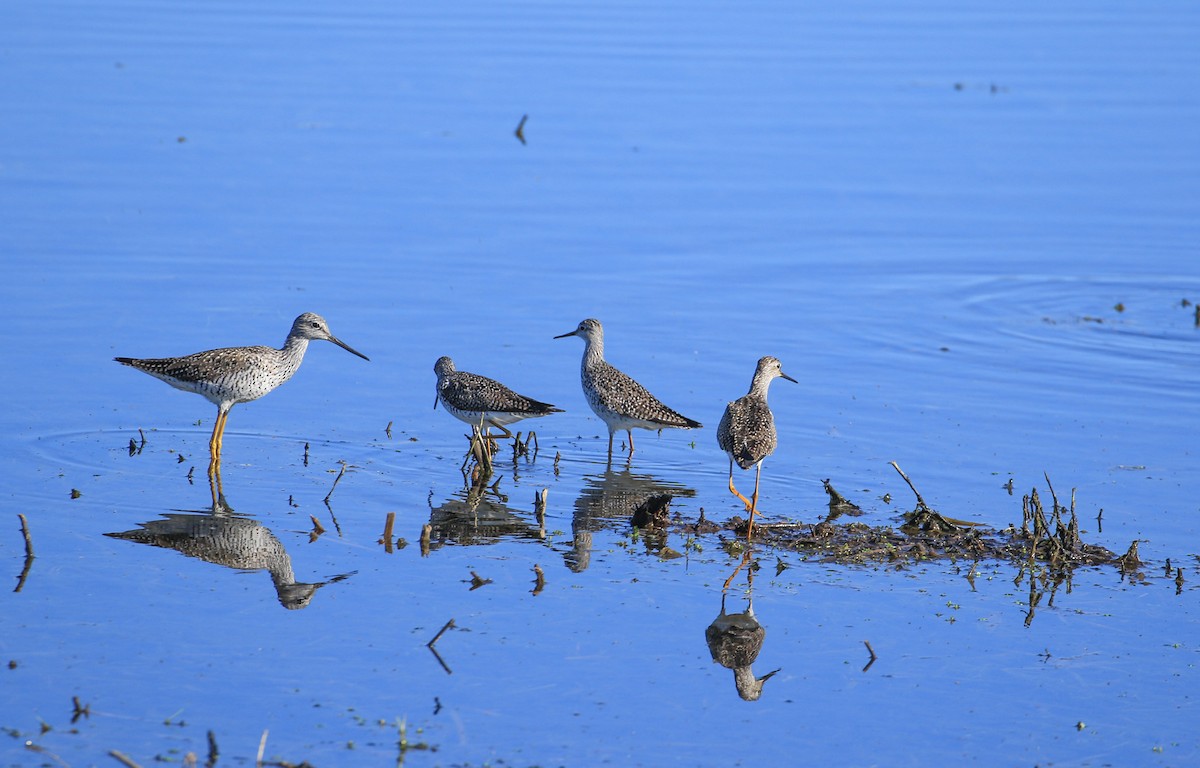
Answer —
(122, 758)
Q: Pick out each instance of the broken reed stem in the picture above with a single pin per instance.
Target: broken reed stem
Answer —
(213, 752)
(442, 631)
(336, 480)
(262, 747)
(25, 533)
(387, 531)
(122, 758)
(540, 583)
(920, 501)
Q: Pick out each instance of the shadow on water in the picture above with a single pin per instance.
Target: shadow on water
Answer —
(736, 639)
(615, 499)
(224, 537)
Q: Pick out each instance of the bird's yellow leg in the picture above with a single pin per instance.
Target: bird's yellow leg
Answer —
(734, 490)
(488, 433)
(214, 442)
(630, 433)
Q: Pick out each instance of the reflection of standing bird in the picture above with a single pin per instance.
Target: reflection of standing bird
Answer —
(734, 640)
(229, 540)
(618, 400)
(235, 375)
(747, 429)
(483, 402)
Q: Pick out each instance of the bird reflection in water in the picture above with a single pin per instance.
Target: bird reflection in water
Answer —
(479, 514)
(610, 500)
(224, 537)
(735, 639)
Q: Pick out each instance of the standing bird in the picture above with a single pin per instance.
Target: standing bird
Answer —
(618, 400)
(238, 374)
(483, 402)
(747, 429)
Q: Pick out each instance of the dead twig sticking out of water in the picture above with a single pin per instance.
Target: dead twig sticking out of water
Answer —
(1178, 581)
(386, 541)
(924, 518)
(121, 758)
(213, 752)
(135, 447)
(317, 529)
(521, 447)
(28, 552)
(520, 132)
(388, 430)
(262, 747)
(430, 645)
(426, 534)
(336, 480)
(871, 651)
(839, 504)
(403, 744)
(306, 454)
(1130, 560)
(539, 510)
(477, 581)
(79, 710)
(921, 505)
(447, 626)
(557, 459)
(540, 579)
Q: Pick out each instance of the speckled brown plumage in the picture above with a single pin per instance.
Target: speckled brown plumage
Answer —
(747, 429)
(617, 399)
(234, 375)
(478, 400)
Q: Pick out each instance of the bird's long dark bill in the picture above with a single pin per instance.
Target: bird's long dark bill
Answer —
(349, 348)
(789, 378)
(564, 335)
(435, 400)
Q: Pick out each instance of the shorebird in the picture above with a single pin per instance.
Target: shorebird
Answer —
(483, 402)
(747, 429)
(617, 399)
(235, 375)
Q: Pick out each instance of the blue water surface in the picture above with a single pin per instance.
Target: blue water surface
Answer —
(969, 232)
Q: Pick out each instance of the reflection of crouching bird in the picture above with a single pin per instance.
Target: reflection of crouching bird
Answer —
(483, 402)
(229, 540)
(734, 640)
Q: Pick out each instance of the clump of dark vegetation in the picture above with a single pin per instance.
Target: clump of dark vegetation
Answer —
(1048, 537)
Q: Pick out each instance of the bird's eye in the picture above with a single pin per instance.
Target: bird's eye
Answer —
(315, 324)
